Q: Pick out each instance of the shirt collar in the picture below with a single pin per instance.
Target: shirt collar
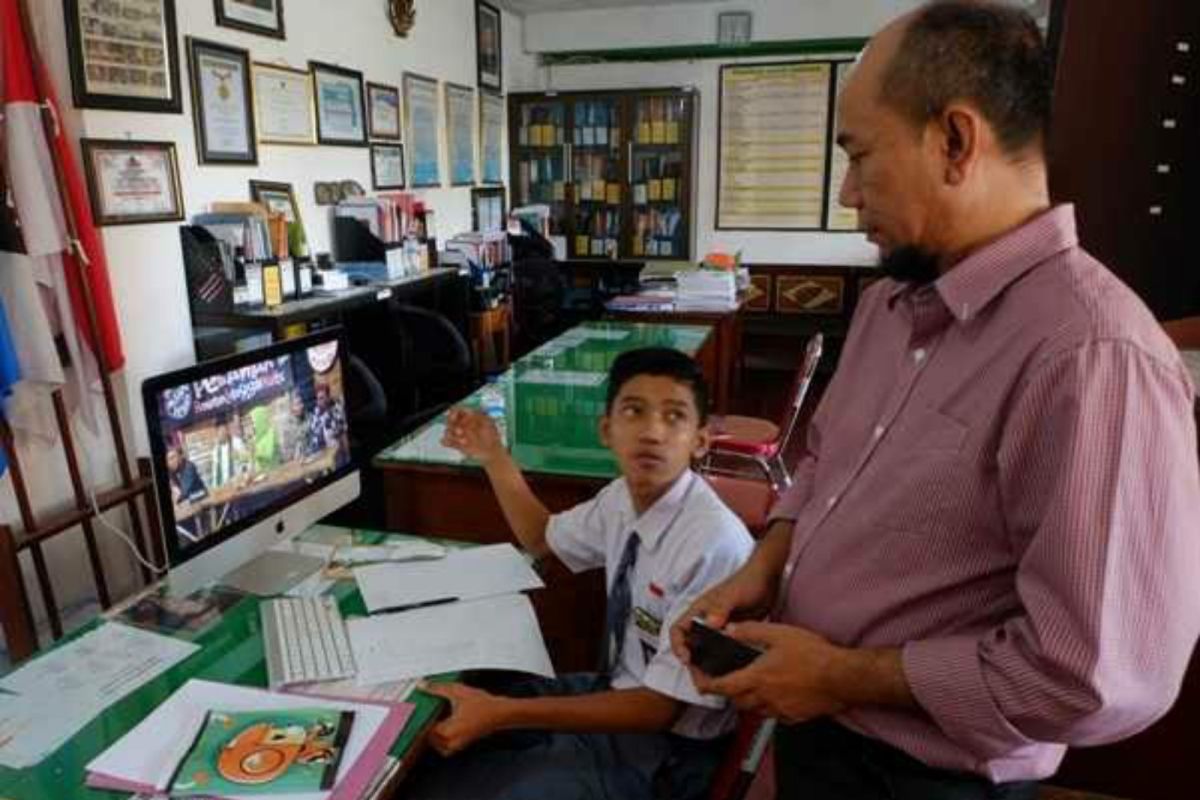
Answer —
(654, 523)
(979, 279)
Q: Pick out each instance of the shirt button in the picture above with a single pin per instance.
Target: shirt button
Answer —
(879, 429)
(831, 502)
(919, 355)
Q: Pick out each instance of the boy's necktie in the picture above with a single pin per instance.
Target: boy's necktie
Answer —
(620, 600)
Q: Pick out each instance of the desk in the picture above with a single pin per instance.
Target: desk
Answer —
(553, 432)
(232, 652)
(332, 304)
(727, 344)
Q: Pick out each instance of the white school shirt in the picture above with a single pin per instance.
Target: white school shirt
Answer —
(689, 541)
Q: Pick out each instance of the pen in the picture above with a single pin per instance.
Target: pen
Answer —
(423, 604)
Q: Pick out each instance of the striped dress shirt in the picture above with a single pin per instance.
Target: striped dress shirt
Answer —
(1002, 481)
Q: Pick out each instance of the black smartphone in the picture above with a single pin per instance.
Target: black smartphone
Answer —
(715, 653)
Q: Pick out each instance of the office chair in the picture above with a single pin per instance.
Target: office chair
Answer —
(433, 366)
(760, 440)
(539, 294)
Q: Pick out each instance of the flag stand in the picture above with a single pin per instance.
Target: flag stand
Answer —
(16, 618)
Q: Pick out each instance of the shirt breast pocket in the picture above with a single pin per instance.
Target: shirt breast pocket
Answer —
(930, 481)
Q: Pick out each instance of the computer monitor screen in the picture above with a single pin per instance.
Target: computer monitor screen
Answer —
(238, 439)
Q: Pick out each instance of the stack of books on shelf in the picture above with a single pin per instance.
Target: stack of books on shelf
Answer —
(706, 290)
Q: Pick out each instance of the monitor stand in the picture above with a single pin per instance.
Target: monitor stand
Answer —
(272, 573)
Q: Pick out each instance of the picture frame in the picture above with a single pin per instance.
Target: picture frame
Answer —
(423, 134)
(489, 51)
(132, 182)
(222, 105)
(387, 166)
(383, 112)
(283, 104)
(491, 137)
(124, 55)
(487, 208)
(277, 197)
(263, 17)
(338, 95)
(460, 133)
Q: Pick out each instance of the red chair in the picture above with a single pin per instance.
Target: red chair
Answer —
(760, 440)
(750, 498)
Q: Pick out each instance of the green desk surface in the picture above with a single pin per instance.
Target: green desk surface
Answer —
(553, 427)
(231, 652)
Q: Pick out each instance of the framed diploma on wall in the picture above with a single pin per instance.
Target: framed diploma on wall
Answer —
(221, 103)
(460, 133)
(383, 111)
(283, 105)
(424, 132)
(387, 166)
(489, 58)
(338, 94)
(132, 181)
(264, 17)
(123, 54)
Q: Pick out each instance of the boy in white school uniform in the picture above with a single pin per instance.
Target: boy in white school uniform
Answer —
(637, 728)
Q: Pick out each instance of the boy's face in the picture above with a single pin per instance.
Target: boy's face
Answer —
(654, 430)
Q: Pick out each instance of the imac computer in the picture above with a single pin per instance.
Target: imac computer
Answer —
(248, 451)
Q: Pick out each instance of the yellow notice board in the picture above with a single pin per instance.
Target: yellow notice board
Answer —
(774, 143)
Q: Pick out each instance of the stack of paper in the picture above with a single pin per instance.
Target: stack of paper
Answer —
(465, 574)
(492, 633)
(53, 697)
(705, 290)
(145, 759)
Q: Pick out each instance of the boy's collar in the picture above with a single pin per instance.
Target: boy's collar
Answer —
(657, 519)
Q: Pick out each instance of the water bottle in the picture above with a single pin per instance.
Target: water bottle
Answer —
(492, 401)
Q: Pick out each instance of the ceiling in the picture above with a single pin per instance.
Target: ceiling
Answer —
(539, 6)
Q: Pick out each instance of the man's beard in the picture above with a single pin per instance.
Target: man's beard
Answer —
(910, 264)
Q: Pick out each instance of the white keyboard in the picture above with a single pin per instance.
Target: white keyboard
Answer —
(305, 641)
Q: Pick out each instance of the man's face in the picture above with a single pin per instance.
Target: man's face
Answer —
(654, 431)
(323, 397)
(174, 459)
(895, 171)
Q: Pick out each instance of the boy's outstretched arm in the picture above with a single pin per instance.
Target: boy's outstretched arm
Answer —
(475, 714)
(474, 434)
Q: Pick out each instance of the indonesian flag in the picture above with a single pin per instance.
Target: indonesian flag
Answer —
(53, 270)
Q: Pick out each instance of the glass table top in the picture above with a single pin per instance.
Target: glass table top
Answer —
(549, 403)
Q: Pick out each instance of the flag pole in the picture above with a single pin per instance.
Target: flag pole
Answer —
(51, 128)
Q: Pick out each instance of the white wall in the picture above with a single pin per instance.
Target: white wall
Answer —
(145, 261)
(670, 25)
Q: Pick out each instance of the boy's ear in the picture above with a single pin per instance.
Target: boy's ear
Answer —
(703, 440)
(604, 426)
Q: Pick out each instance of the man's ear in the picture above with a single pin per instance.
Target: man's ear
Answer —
(961, 129)
(604, 427)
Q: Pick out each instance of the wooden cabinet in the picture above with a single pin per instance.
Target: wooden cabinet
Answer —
(614, 167)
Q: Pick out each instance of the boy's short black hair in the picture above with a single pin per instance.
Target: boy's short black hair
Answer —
(662, 361)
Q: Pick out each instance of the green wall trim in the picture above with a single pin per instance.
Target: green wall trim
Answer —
(689, 52)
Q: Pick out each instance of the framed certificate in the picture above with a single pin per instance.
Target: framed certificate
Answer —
(387, 166)
(131, 181)
(424, 135)
(123, 54)
(383, 111)
(264, 17)
(338, 94)
(277, 198)
(283, 105)
(221, 103)
(491, 136)
(460, 133)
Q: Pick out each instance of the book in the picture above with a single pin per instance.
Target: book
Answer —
(264, 752)
(192, 614)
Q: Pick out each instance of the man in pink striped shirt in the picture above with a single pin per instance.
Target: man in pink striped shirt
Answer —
(990, 551)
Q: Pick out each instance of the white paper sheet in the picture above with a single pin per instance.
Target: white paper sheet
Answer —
(69, 686)
(492, 633)
(397, 551)
(149, 753)
(562, 377)
(465, 574)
